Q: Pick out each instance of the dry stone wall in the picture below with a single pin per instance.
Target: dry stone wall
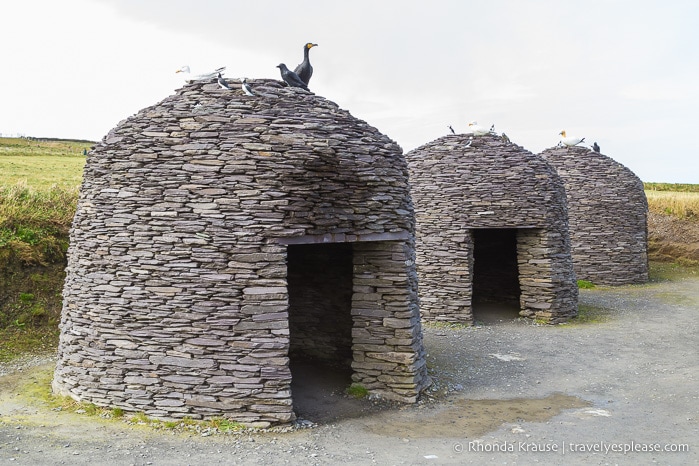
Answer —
(459, 184)
(607, 214)
(176, 298)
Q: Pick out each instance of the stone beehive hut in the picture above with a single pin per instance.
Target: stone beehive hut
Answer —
(491, 228)
(219, 238)
(607, 213)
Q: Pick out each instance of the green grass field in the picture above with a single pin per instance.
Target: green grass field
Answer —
(676, 187)
(678, 200)
(41, 164)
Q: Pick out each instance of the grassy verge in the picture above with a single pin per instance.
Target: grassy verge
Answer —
(34, 227)
(678, 200)
(668, 271)
(19, 341)
(34, 224)
(36, 388)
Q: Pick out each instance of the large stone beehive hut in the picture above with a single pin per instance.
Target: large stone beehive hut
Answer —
(491, 231)
(220, 239)
(607, 213)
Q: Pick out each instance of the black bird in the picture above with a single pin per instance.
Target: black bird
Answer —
(452, 130)
(595, 147)
(222, 82)
(304, 69)
(291, 78)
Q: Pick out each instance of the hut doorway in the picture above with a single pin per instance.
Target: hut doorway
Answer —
(320, 287)
(496, 290)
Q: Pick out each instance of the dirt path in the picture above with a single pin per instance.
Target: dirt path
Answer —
(502, 392)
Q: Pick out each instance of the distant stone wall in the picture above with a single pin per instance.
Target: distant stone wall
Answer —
(491, 184)
(607, 214)
(176, 301)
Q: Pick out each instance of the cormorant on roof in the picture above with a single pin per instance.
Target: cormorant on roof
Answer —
(246, 87)
(304, 70)
(595, 147)
(452, 130)
(206, 76)
(291, 78)
(570, 141)
(222, 82)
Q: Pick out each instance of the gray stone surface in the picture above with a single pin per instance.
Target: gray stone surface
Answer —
(491, 184)
(607, 214)
(176, 301)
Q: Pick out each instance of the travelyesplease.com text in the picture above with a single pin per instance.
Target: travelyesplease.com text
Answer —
(570, 447)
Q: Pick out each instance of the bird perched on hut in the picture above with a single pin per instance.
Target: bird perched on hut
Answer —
(246, 87)
(222, 82)
(570, 141)
(291, 78)
(452, 130)
(504, 137)
(304, 69)
(595, 147)
(189, 77)
(477, 129)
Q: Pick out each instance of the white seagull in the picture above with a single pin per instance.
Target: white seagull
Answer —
(570, 141)
(200, 77)
(478, 130)
(246, 87)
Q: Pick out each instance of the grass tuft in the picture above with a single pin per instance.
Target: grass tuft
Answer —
(357, 390)
(590, 315)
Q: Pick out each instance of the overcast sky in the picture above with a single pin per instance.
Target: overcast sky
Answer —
(619, 72)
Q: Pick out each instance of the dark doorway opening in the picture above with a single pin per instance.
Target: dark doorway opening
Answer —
(496, 290)
(320, 325)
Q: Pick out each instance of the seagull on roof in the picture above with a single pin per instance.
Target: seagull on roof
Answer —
(304, 70)
(189, 77)
(477, 129)
(222, 82)
(570, 141)
(291, 78)
(595, 147)
(246, 87)
(452, 130)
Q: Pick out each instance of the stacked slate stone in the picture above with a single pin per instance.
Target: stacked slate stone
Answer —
(492, 183)
(176, 299)
(607, 213)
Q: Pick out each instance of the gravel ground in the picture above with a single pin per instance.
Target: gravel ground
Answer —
(504, 393)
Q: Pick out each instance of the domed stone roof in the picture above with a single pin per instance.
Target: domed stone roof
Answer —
(176, 301)
(463, 185)
(607, 214)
